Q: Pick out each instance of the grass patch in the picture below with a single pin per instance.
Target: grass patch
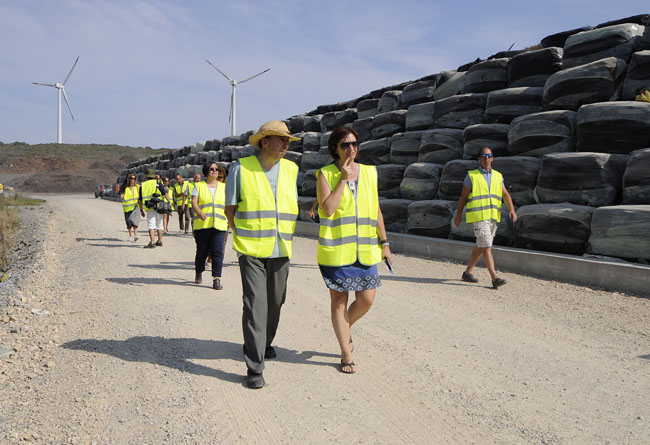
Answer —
(9, 222)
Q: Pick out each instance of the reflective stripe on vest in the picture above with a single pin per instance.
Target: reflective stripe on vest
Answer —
(149, 190)
(484, 204)
(350, 234)
(130, 199)
(260, 216)
(213, 209)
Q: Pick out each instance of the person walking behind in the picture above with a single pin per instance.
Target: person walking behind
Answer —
(170, 199)
(153, 190)
(196, 179)
(130, 196)
(262, 207)
(352, 237)
(182, 201)
(484, 193)
(210, 224)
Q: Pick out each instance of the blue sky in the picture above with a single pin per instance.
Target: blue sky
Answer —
(142, 79)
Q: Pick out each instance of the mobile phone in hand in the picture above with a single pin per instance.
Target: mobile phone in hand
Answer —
(389, 266)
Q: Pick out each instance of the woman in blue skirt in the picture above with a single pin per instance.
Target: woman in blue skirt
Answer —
(352, 237)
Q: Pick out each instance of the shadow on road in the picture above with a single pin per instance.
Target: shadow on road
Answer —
(98, 239)
(647, 357)
(166, 265)
(176, 353)
(144, 280)
(453, 281)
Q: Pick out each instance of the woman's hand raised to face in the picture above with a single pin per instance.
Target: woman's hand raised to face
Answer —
(347, 168)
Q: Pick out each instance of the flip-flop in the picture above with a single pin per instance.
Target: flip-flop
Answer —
(345, 365)
(351, 348)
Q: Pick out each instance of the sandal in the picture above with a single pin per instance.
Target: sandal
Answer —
(347, 365)
(351, 347)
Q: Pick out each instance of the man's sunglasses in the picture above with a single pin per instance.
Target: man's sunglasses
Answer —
(486, 155)
(346, 145)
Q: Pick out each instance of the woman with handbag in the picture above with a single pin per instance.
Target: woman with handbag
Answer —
(130, 201)
(210, 224)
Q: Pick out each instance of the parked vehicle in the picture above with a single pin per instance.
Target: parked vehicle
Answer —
(101, 189)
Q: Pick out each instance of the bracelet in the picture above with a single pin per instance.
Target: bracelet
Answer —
(384, 243)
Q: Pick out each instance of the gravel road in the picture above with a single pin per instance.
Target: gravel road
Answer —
(114, 344)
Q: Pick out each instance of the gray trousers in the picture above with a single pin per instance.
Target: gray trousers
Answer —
(264, 282)
(186, 217)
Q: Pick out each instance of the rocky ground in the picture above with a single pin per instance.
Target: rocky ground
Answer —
(109, 343)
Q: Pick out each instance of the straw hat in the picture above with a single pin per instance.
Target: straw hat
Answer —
(151, 174)
(271, 128)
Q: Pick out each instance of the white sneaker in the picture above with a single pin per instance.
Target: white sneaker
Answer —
(130, 238)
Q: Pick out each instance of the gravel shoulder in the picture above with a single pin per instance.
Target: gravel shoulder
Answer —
(114, 344)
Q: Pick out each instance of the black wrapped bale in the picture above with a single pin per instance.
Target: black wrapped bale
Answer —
(389, 101)
(367, 108)
(592, 179)
(314, 160)
(487, 76)
(459, 111)
(614, 127)
(304, 206)
(297, 145)
(637, 75)
(636, 179)
(324, 140)
(226, 153)
(421, 181)
(296, 123)
(294, 157)
(611, 41)
(621, 231)
(640, 19)
(519, 176)
(389, 123)
(405, 147)
(417, 93)
(452, 178)
(559, 39)
(364, 128)
(540, 133)
(593, 82)
(450, 83)
(465, 232)
(312, 123)
(389, 177)
(419, 116)
(532, 68)
(504, 105)
(311, 141)
(308, 186)
(228, 140)
(430, 218)
(475, 137)
(395, 213)
(375, 152)
(243, 138)
(335, 119)
(561, 228)
(441, 145)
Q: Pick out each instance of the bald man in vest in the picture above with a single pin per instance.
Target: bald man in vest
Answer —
(262, 207)
(484, 193)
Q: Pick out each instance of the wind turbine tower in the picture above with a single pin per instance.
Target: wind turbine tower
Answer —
(233, 96)
(61, 89)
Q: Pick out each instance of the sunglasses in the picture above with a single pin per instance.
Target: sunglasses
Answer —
(132, 177)
(346, 145)
(486, 155)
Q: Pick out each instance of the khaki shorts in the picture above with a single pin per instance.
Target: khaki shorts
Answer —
(484, 231)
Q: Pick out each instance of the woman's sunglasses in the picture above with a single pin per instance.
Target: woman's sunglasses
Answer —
(346, 145)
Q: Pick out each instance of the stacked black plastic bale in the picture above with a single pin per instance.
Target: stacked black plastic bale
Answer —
(571, 142)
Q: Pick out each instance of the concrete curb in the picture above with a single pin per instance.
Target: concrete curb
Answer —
(609, 275)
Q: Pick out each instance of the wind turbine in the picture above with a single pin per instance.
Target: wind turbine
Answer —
(233, 95)
(61, 88)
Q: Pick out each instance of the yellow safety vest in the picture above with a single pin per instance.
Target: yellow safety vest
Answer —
(149, 190)
(350, 234)
(178, 191)
(213, 209)
(130, 199)
(258, 220)
(170, 196)
(484, 204)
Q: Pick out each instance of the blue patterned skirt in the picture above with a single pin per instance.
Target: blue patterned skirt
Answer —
(354, 277)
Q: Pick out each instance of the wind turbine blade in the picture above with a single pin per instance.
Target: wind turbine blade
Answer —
(45, 84)
(231, 100)
(65, 96)
(252, 77)
(68, 76)
(222, 73)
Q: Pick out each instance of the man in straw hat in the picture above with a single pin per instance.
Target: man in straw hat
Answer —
(262, 207)
(152, 188)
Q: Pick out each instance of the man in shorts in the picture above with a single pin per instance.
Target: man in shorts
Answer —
(152, 188)
(484, 193)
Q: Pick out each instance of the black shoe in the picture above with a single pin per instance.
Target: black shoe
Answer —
(216, 284)
(149, 246)
(269, 352)
(159, 243)
(253, 380)
(498, 282)
(198, 279)
(469, 278)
